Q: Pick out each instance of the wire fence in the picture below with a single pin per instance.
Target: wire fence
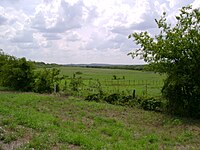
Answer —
(142, 87)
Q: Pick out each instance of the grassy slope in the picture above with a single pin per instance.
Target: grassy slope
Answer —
(49, 122)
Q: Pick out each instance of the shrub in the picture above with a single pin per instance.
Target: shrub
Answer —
(151, 104)
(93, 97)
(16, 73)
(113, 98)
(114, 77)
(119, 99)
(45, 80)
(75, 84)
(78, 73)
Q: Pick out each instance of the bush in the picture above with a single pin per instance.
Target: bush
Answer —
(151, 104)
(114, 77)
(119, 99)
(126, 99)
(113, 98)
(45, 80)
(183, 97)
(78, 73)
(76, 83)
(93, 97)
(16, 73)
(19, 74)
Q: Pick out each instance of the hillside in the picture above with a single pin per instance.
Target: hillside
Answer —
(35, 121)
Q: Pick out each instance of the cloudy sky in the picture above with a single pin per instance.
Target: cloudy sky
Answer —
(79, 31)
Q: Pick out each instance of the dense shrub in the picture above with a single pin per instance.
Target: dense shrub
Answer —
(112, 98)
(93, 97)
(76, 83)
(19, 74)
(16, 73)
(119, 99)
(45, 80)
(151, 104)
(183, 97)
(122, 99)
(79, 73)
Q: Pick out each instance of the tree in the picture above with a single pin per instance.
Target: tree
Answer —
(16, 73)
(19, 74)
(175, 51)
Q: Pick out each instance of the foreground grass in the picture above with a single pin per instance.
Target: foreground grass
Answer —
(33, 121)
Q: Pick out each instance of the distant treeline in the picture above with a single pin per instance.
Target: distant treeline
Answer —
(103, 66)
(127, 67)
(45, 65)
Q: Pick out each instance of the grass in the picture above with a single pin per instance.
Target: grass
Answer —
(102, 74)
(147, 83)
(34, 121)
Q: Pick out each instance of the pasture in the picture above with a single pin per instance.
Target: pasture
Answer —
(116, 80)
(35, 121)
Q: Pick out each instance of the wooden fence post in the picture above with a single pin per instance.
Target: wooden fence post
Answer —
(146, 88)
(133, 94)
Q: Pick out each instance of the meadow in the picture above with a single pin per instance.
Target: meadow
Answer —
(36, 121)
(117, 80)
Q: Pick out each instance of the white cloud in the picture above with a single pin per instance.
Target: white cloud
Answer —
(23, 36)
(196, 4)
(79, 31)
(58, 16)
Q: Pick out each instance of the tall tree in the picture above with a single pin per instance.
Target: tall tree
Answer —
(175, 51)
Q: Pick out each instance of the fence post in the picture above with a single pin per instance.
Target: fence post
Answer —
(54, 87)
(146, 88)
(133, 94)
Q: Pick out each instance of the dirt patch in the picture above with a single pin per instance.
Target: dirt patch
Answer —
(18, 142)
(74, 147)
(13, 145)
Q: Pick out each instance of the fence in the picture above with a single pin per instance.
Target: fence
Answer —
(142, 87)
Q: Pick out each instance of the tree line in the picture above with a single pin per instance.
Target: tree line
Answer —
(126, 67)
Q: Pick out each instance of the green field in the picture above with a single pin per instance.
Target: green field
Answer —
(145, 83)
(33, 121)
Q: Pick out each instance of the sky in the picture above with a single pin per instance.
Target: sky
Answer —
(80, 31)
